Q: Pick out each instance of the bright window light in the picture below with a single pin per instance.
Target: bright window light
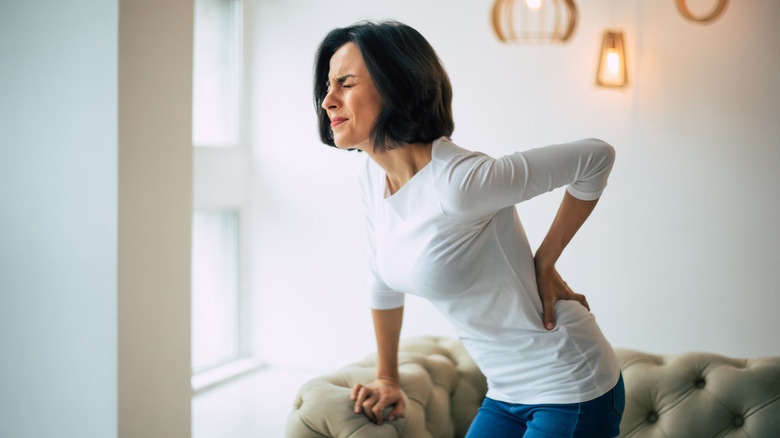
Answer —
(216, 81)
(215, 289)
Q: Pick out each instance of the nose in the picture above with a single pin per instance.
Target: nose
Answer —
(330, 102)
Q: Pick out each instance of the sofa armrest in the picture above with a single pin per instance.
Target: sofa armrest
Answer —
(443, 385)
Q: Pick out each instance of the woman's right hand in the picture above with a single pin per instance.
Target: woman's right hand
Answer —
(372, 399)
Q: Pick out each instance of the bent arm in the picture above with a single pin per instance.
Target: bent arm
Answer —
(485, 185)
(571, 215)
(373, 398)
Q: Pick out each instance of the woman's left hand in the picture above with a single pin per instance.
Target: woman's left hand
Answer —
(551, 289)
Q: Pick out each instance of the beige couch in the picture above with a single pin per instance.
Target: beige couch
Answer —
(688, 395)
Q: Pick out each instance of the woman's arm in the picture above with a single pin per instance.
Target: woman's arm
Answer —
(570, 217)
(372, 399)
(387, 327)
(484, 185)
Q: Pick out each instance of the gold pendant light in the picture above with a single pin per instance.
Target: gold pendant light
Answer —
(534, 21)
(612, 63)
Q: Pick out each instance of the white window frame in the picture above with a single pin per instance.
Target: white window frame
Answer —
(220, 181)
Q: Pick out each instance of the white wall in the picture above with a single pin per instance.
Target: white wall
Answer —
(681, 253)
(95, 205)
(58, 219)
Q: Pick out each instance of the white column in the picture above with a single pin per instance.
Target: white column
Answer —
(155, 210)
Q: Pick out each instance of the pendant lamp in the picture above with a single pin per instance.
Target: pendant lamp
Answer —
(717, 11)
(612, 62)
(534, 21)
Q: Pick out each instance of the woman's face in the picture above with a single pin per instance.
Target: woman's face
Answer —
(353, 102)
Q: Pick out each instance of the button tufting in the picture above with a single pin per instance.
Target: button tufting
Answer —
(652, 417)
(699, 383)
(739, 421)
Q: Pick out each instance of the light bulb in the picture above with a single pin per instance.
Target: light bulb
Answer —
(533, 4)
(613, 61)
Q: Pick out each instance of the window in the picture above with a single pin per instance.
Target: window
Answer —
(215, 289)
(219, 340)
(216, 78)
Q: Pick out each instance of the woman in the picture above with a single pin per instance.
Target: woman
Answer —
(442, 224)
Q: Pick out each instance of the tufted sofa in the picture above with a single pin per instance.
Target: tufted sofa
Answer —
(688, 395)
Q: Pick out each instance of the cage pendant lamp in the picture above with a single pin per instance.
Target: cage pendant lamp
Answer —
(612, 62)
(534, 21)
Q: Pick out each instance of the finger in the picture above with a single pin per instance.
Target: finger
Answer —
(362, 395)
(397, 411)
(369, 413)
(368, 406)
(353, 395)
(378, 411)
(549, 313)
(379, 407)
(581, 298)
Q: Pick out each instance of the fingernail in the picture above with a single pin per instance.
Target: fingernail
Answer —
(550, 326)
(390, 418)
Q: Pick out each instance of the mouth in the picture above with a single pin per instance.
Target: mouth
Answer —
(336, 121)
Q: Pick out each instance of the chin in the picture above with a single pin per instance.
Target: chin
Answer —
(347, 145)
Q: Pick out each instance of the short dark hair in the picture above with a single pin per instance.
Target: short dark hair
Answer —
(408, 75)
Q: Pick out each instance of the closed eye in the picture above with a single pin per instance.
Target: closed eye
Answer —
(341, 81)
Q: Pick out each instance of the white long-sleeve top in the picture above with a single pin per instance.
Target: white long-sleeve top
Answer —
(452, 235)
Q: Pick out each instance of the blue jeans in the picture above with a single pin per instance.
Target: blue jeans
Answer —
(599, 418)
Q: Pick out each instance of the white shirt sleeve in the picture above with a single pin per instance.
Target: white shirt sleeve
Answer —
(485, 185)
(381, 296)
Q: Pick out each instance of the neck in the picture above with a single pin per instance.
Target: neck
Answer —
(402, 163)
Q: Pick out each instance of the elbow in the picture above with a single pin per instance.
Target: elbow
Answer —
(603, 149)
(609, 151)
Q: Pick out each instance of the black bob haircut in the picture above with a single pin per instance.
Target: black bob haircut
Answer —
(408, 75)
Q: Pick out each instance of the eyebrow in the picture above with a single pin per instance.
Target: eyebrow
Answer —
(341, 79)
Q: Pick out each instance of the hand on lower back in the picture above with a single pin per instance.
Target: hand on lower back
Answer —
(551, 289)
